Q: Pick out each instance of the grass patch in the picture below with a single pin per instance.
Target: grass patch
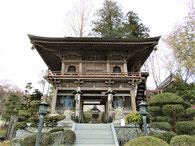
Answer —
(3, 131)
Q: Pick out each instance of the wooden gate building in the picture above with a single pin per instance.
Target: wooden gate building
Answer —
(103, 71)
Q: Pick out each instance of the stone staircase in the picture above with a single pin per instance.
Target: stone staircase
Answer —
(95, 135)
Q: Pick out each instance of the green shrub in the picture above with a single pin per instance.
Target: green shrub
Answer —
(69, 137)
(134, 118)
(185, 127)
(52, 120)
(190, 112)
(155, 110)
(87, 116)
(165, 98)
(167, 136)
(173, 110)
(56, 130)
(21, 125)
(146, 141)
(161, 125)
(187, 104)
(34, 120)
(24, 113)
(35, 103)
(182, 140)
(46, 139)
(162, 119)
(154, 134)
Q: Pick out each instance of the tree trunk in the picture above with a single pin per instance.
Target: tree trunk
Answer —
(11, 128)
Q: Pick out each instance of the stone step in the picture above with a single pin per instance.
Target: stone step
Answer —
(88, 135)
(93, 145)
(94, 141)
(93, 126)
(93, 132)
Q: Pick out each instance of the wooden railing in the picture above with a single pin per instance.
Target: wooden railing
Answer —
(93, 74)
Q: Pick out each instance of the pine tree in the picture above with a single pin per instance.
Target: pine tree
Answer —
(12, 106)
(29, 110)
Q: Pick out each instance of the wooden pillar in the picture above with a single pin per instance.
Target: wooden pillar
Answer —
(109, 104)
(80, 67)
(125, 67)
(78, 105)
(108, 67)
(133, 103)
(63, 68)
(53, 104)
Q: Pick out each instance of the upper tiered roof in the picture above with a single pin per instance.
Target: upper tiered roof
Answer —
(47, 47)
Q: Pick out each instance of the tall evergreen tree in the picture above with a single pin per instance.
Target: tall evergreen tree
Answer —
(133, 28)
(109, 21)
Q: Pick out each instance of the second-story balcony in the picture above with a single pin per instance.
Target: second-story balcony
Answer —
(58, 74)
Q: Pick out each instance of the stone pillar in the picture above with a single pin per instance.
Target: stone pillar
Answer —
(80, 67)
(53, 104)
(63, 68)
(133, 103)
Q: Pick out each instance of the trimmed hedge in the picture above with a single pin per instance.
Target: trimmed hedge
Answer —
(183, 140)
(185, 127)
(46, 139)
(165, 98)
(161, 125)
(146, 141)
(166, 136)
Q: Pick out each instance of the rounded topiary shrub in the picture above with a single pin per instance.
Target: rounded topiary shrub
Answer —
(146, 141)
(173, 110)
(46, 139)
(185, 127)
(183, 140)
(69, 137)
(155, 110)
(165, 98)
(161, 125)
(162, 119)
(167, 136)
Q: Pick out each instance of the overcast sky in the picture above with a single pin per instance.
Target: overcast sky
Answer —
(19, 64)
